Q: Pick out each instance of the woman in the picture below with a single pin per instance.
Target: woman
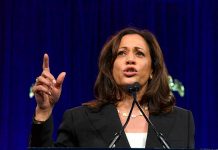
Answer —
(129, 56)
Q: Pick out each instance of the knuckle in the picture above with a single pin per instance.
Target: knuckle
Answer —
(44, 73)
(39, 78)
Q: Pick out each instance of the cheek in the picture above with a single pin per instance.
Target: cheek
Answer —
(116, 70)
(146, 67)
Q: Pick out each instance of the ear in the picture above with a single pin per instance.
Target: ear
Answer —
(151, 75)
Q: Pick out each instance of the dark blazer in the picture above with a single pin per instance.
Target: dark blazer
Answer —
(82, 127)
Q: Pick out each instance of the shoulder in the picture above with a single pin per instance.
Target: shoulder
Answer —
(82, 116)
(177, 109)
(75, 111)
(180, 111)
(80, 110)
(177, 112)
(181, 114)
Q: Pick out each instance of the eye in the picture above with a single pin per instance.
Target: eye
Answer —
(140, 53)
(121, 53)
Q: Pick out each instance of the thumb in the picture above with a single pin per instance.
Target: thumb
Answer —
(60, 79)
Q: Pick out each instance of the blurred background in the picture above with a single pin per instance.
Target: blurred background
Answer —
(73, 32)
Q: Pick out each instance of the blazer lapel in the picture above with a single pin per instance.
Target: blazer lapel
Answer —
(106, 122)
(163, 124)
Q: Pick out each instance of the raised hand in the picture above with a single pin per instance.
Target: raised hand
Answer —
(47, 91)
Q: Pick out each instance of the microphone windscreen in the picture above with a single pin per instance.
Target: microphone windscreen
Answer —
(135, 87)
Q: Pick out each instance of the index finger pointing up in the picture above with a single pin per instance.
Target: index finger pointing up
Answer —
(45, 65)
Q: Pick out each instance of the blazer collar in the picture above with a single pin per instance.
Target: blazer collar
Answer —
(163, 124)
(106, 122)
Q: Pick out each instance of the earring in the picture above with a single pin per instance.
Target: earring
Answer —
(150, 76)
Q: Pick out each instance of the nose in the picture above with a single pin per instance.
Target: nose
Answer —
(130, 60)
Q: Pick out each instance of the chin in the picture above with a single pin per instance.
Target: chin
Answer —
(130, 81)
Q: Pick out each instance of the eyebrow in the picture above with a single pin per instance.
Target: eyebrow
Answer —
(136, 47)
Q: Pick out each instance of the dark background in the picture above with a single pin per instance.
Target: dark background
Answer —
(73, 32)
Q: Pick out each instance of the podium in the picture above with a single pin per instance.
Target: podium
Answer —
(78, 148)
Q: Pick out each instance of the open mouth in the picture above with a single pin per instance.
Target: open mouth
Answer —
(129, 72)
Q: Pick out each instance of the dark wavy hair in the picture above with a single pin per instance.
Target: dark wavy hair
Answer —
(157, 96)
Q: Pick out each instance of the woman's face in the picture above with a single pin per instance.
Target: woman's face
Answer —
(133, 62)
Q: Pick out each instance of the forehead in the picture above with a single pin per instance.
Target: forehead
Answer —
(133, 40)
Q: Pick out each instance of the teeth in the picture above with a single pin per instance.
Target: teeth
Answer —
(131, 70)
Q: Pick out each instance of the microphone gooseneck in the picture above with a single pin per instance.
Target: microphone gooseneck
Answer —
(118, 134)
(133, 89)
(130, 89)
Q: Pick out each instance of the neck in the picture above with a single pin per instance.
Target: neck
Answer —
(127, 99)
(139, 94)
(125, 105)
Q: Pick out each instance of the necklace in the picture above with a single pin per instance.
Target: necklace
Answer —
(124, 114)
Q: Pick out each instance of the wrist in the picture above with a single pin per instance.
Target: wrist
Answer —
(37, 121)
(41, 115)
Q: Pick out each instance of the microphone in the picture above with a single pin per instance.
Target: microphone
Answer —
(133, 89)
(130, 89)
(118, 134)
